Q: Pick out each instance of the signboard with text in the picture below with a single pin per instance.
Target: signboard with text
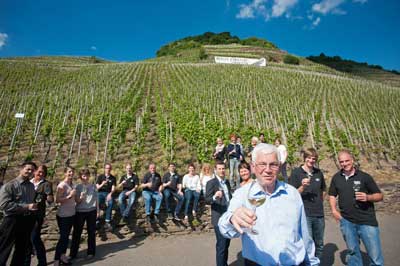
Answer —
(240, 61)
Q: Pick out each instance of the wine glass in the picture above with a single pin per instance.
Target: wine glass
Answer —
(255, 200)
(356, 188)
(307, 188)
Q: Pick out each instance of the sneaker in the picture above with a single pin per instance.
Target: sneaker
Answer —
(90, 256)
(170, 216)
(194, 213)
(176, 218)
(148, 219)
(156, 220)
(107, 226)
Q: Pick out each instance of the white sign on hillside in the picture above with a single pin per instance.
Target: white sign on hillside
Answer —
(240, 61)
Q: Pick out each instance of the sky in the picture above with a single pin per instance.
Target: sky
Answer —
(122, 30)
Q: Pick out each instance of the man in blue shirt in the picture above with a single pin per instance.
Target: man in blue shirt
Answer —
(282, 236)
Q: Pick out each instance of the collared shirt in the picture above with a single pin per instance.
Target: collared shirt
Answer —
(355, 211)
(283, 237)
(16, 195)
(223, 187)
(43, 189)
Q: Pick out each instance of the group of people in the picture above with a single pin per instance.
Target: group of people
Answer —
(234, 153)
(280, 222)
(283, 223)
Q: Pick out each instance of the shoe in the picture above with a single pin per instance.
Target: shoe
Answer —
(156, 220)
(194, 214)
(148, 219)
(170, 216)
(124, 220)
(90, 256)
(176, 218)
(107, 226)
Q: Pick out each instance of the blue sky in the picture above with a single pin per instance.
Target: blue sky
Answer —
(362, 30)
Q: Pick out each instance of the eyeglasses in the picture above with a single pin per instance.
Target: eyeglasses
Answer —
(263, 166)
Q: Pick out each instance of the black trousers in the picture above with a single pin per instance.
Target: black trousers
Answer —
(79, 221)
(222, 248)
(15, 230)
(37, 243)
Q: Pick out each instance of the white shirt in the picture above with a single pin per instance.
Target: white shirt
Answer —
(282, 153)
(191, 182)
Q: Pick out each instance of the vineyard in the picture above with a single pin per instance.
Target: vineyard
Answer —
(82, 113)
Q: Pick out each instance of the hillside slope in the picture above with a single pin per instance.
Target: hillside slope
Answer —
(162, 111)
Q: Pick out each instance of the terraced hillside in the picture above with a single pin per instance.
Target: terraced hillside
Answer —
(166, 110)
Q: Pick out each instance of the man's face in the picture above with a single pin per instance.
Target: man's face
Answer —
(266, 169)
(27, 171)
(128, 169)
(220, 170)
(107, 169)
(152, 168)
(171, 168)
(346, 162)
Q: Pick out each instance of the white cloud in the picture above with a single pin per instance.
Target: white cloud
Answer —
(281, 7)
(93, 48)
(328, 6)
(245, 12)
(3, 39)
(316, 21)
(257, 7)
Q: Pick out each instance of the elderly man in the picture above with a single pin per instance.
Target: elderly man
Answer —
(357, 193)
(276, 230)
(17, 201)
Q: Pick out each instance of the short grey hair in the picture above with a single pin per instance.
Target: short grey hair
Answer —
(264, 149)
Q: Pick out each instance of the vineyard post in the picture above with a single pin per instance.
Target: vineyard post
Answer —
(19, 117)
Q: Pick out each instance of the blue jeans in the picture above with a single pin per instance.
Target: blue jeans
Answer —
(370, 237)
(189, 194)
(167, 194)
(148, 195)
(102, 197)
(316, 228)
(234, 172)
(122, 202)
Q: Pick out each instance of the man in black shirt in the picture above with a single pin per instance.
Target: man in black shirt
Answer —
(172, 183)
(357, 193)
(152, 189)
(17, 201)
(310, 182)
(105, 185)
(129, 184)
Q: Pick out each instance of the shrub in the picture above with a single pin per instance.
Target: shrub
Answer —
(290, 59)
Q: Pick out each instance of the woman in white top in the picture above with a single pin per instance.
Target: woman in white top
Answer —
(65, 197)
(282, 157)
(205, 176)
(192, 186)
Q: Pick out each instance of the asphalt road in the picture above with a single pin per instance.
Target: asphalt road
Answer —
(199, 250)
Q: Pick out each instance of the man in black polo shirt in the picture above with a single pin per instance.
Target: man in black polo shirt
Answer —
(152, 189)
(172, 183)
(129, 184)
(357, 193)
(17, 201)
(310, 182)
(105, 185)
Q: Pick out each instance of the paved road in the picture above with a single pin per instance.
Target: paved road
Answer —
(199, 250)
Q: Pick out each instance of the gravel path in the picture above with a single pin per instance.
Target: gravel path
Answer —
(199, 249)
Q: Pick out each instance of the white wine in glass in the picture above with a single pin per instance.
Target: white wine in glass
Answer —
(255, 200)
